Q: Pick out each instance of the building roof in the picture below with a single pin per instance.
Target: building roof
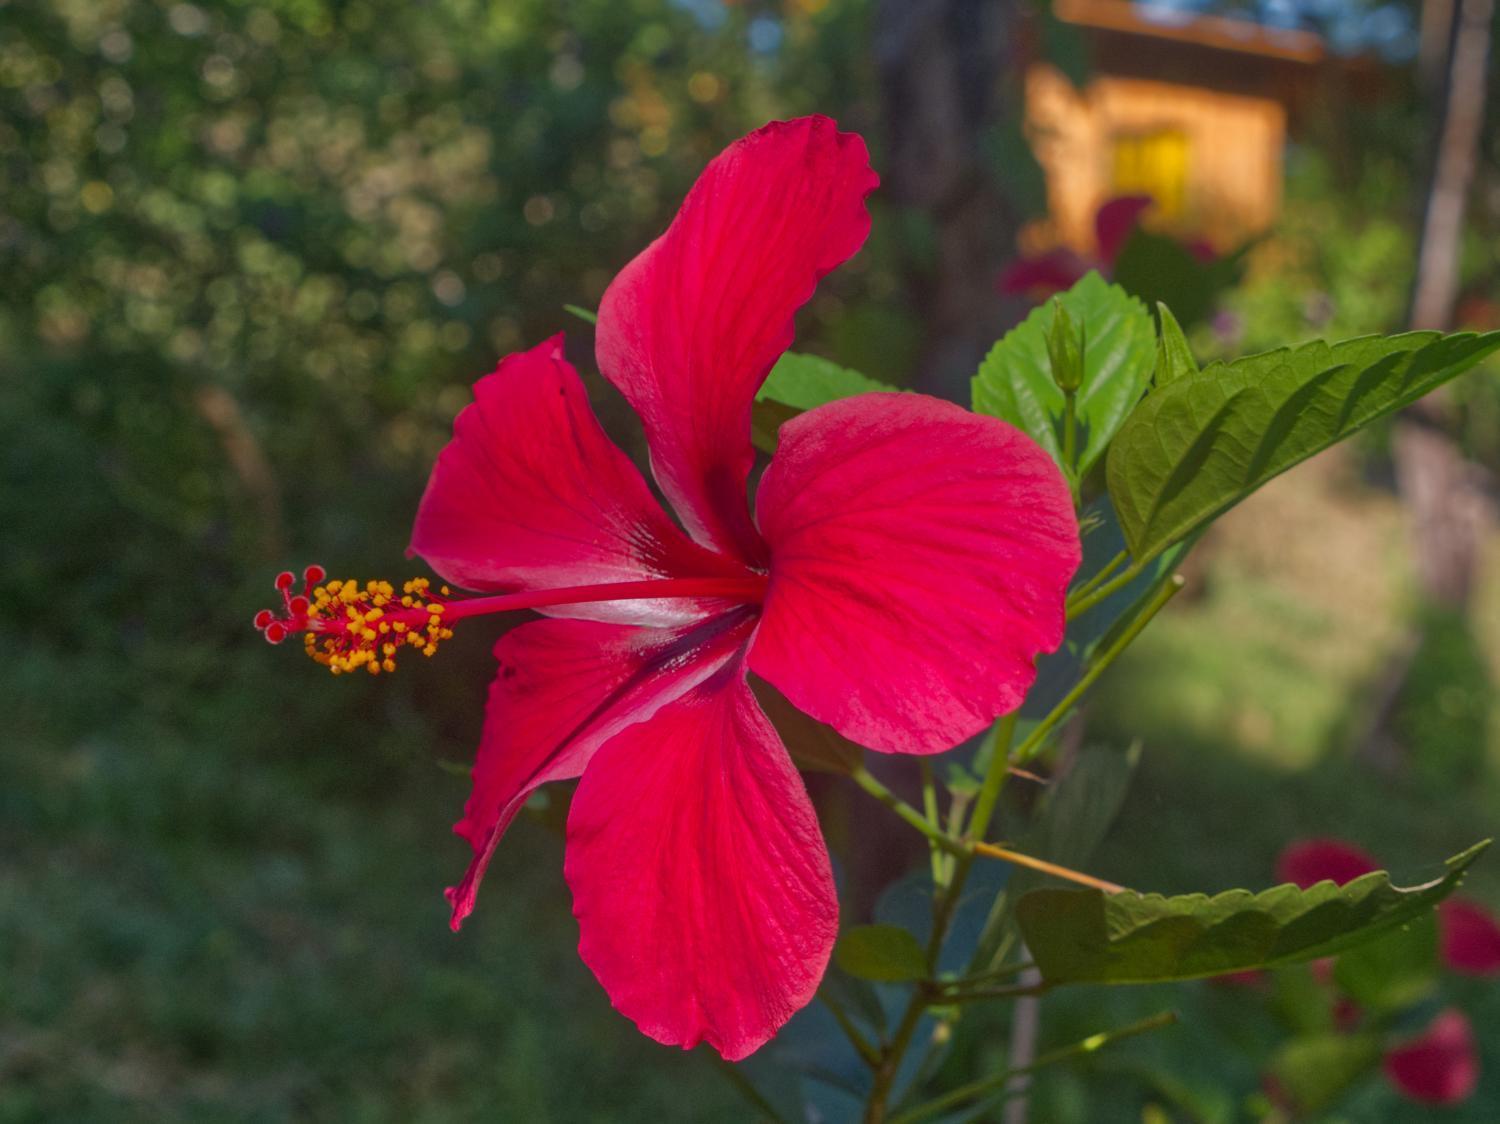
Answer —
(1213, 32)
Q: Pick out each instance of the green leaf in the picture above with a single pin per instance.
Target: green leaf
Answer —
(1078, 809)
(1393, 971)
(805, 381)
(1197, 446)
(1157, 268)
(1086, 936)
(1173, 356)
(766, 420)
(1074, 816)
(887, 953)
(800, 382)
(1015, 384)
(1315, 1070)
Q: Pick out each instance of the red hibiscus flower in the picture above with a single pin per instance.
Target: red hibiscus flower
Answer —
(1058, 270)
(1310, 861)
(1470, 938)
(905, 562)
(1441, 1066)
(1469, 935)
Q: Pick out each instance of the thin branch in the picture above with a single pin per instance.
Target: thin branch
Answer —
(976, 1089)
(865, 1048)
(990, 850)
(863, 777)
(1038, 736)
(1082, 602)
(1099, 578)
(930, 809)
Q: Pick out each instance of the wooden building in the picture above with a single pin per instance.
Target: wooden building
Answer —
(1192, 110)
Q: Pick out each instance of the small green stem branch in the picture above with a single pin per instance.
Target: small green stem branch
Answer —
(1037, 738)
(1003, 972)
(861, 1044)
(945, 903)
(964, 846)
(935, 835)
(930, 810)
(986, 1086)
(980, 994)
(994, 777)
(1070, 441)
(746, 1088)
(1086, 598)
(1102, 576)
(990, 850)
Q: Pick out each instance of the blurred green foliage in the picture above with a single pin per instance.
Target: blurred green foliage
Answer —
(254, 251)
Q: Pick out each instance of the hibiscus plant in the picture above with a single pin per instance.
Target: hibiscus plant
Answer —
(903, 576)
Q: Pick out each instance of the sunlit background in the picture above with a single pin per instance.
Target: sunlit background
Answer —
(252, 254)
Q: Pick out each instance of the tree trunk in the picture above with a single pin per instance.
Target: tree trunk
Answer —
(1442, 491)
(940, 65)
(1439, 486)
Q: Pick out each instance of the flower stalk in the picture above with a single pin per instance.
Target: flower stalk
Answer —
(970, 844)
(985, 1086)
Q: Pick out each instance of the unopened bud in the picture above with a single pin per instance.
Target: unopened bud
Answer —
(1065, 349)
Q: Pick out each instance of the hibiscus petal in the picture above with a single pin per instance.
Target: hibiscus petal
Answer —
(689, 330)
(701, 884)
(1310, 861)
(531, 494)
(564, 687)
(1116, 220)
(1055, 271)
(1441, 1067)
(1470, 938)
(920, 555)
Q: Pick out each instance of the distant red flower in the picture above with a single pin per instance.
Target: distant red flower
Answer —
(905, 562)
(1311, 861)
(1057, 270)
(1470, 938)
(1440, 1066)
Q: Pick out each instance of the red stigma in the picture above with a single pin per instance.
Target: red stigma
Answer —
(347, 626)
(295, 610)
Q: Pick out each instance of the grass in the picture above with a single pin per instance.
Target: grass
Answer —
(249, 927)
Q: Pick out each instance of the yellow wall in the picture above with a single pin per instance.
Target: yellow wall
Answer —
(1212, 160)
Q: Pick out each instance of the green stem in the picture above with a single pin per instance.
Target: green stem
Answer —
(732, 1073)
(1034, 741)
(977, 1089)
(946, 904)
(1070, 441)
(984, 809)
(979, 994)
(866, 1049)
(1104, 572)
(1082, 602)
(936, 835)
(1054, 869)
(930, 808)
(994, 777)
(1003, 972)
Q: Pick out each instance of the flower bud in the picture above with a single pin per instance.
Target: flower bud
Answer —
(1065, 349)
